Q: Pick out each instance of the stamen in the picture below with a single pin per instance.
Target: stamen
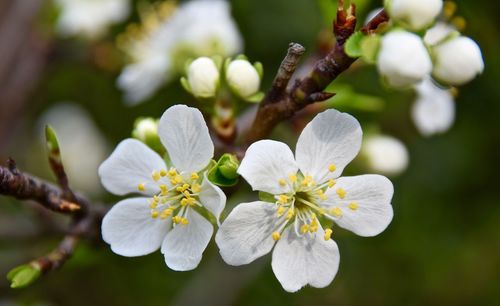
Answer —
(304, 228)
(281, 211)
(196, 188)
(154, 214)
(194, 176)
(153, 204)
(341, 193)
(282, 182)
(178, 179)
(292, 178)
(164, 189)
(276, 236)
(332, 167)
(283, 199)
(290, 213)
(184, 221)
(353, 206)
(336, 211)
(172, 172)
(328, 234)
(163, 172)
(156, 176)
(141, 187)
(331, 183)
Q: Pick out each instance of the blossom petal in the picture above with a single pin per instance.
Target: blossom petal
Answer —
(130, 164)
(130, 230)
(212, 197)
(266, 162)
(366, 208)
(184, 245)
(434, 110)
(185, 134)
(309, 259)
(331, 138)
(246, 234)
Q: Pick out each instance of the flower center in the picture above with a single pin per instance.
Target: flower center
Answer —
(178, 192)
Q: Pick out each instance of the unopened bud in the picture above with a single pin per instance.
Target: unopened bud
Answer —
(203, 77)
(385, 154)
(146, 130)
(228, 165)
(414, 14)
(243, 78)
(24, 275)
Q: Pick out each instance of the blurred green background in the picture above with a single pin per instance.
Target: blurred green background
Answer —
(442, 248)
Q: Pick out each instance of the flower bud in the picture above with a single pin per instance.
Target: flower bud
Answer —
(457, 61)
(414, 14)
(24, 275)
(403, 59)
(203, 77)
(385, 154)
(146, 130)
(243, 78)
(228, 165)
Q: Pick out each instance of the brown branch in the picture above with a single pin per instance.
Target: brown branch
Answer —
(310, 89)
(26, 187)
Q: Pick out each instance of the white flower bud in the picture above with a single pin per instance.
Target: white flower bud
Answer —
(403, 59)
(144, 128)
(243, 78)
(457, 61)
(203, 77)
(438, 33)
(414, 14)
(385, 154)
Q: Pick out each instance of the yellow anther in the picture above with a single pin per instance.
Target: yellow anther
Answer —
(154, 214)
(307, 180)
(163, 200)
(304, 228)
(163, 172)
(341, 193)
(166, 213)
(176, 219)
(186, 194)
(281, 211)
(282, 182)
(290, 213)
(184, 221)
(156, 176)
(184, 202)
(156, 199)
(336, 211)
(194, 176)
(353, 206)
(172, 172)
(153, 204)
(195, 188)
(164, 189)
(328, 234)
(276, 236)
(323, 197)
(282, 199)
(141, 187)
(178, 179)
(332, 167)
(292, 178)
(331, 183)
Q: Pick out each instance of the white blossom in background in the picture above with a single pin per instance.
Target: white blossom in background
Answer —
(434, 109)
(169, 37)
(457, 60)
(166, 213)
(90, 18)
(203, 77)
(304, 190)
(243, 78)
(385, 154)
(403, 59)
(83, 147)
(414, 14)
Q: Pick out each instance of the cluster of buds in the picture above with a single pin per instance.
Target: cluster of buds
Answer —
(405, 57)
(207, 77)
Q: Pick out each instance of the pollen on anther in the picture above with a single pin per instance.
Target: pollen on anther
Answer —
(331, 183)
(156, 176)
(282, 182)
(141, 187)
(194, 176)
(282, 199)
(164, 189)
(304, 228)
(276, 236)
(281, 211)
(332, 167)
(341, 193)
(163, 172)
(154, 214)
(353, 206)
(292, 178)
(336, 211)
(328, 233)
(172, 172)
(196, 188)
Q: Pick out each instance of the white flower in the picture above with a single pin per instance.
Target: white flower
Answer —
(168, 213)
(434, 109)
(197, 28)
(305, 190)
(403, 59)
(203, 77)
(439, 32)
(457, 61)
(243, 78)
(385, 154)
(90, 18)
(414, 14)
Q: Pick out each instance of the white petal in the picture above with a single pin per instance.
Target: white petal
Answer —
(130, 164)
(298, 261)
(130, 230)
(331, 137)
(184, 133)
(434, 110)
(265, 163)
(212, 197)
(184, 245)
(246, 234)
(372, 194)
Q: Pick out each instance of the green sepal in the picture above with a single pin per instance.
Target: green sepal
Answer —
(256, 98)
(185, 84)
(352, 46)
(260, 69)
(224, 172)
(242, 57)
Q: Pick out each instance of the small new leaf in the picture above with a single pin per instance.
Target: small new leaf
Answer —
(24, 275)
(369, 48)
(353, 45)
(51, 141)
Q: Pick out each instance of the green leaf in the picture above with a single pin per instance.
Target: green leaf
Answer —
(24, 275)
(266, 197)
(352, 46)
(369, 48)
